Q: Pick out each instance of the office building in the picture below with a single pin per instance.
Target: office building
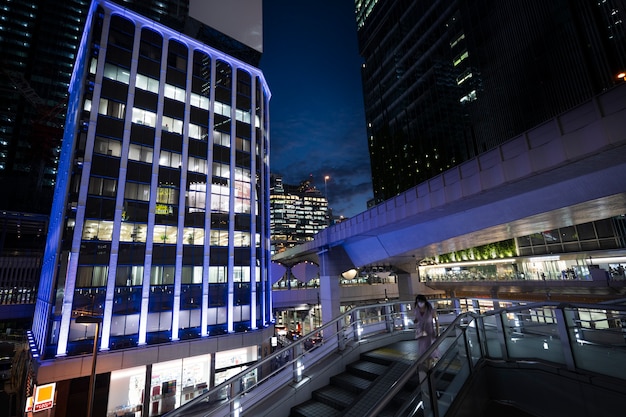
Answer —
(38, 43)
(297, 213)
(444, 81)
(159, 229)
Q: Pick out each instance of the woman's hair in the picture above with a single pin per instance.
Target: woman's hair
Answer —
(422, 298)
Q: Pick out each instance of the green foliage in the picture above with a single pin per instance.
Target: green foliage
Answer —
(495, 250)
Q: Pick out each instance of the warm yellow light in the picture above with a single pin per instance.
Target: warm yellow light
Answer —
(622, 75)
(327, 177)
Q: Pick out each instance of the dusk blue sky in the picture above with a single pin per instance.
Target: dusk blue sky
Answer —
(317, 123)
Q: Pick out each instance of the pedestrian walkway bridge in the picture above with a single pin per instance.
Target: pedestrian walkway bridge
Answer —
(568, 170)
(520, 359)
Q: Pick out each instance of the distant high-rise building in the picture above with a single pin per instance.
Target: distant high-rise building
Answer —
(38, 45)
(446, 80)
(297, 213)
(159, 229)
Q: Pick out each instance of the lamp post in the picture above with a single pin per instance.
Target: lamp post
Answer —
(86, 320)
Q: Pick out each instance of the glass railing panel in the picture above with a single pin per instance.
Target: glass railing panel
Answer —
(533, 334)
(598, 340)
(447, 377)
(473, 342)
(492, 337)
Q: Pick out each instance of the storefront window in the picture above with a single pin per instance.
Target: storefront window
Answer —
(126, 392)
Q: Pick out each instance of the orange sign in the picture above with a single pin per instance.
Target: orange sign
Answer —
(44, 397)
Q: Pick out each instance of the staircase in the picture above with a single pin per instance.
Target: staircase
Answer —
(344, 388)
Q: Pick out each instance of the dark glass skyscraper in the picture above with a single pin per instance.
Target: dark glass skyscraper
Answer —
(446, 80)
(38, 44)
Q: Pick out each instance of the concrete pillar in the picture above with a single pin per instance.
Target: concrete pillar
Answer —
(333, 262)
(409, 286)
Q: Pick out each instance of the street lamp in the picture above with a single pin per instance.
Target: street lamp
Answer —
(86, 320)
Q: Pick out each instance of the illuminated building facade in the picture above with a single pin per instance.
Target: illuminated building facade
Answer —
(158, 228)
(297, 213)
(444, 81)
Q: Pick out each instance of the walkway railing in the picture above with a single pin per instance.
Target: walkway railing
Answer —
(587, 338)
(576, 336)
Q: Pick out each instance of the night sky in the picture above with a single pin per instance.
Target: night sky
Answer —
(317, 123)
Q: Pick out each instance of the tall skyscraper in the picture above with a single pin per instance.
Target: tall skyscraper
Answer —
(38, 44)
(160, 229)
(446, 80)
(297, 213)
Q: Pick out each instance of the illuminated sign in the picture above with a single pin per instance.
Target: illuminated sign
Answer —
(29, 404)
(44, 397)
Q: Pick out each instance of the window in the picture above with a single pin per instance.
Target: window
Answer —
(198, 132)
(102, 186)
(146, 83)
(242, 116)
(222, 109)
(164, 234)
(112, 108)
(193, 236)
(127, 276)
(241, 239)
(222, 139)
(197, 165)
(175, 93)
(116, 73)
(241, 274)
(467, 74)
(218, 238)
(242, 190)
(140, 153)
(196, 197)
(459, 58)
(192, 275)
(137, 191)
(197, 100)
(169, 124)
(219, 198)
(217, 274)
(107, 146)
(144, 117)
(221, 170)
(170, 159)
(133, 232)
(91, 276)
(162, 275)
(98, 230)
(243, 145)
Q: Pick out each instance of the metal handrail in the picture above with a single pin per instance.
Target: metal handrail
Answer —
(347, 327)
(462, 323)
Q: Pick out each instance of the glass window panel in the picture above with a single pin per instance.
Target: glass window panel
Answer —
(217, 274)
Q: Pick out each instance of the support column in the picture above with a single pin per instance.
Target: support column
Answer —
(333, 262)
(409, 286)
(329, 291)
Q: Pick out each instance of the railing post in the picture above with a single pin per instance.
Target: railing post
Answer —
(297, 365)
(389, 318)
(355, 318)
(234, 390)
(502, 335)
(341, 335)
(456, 303)
(566, 345)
